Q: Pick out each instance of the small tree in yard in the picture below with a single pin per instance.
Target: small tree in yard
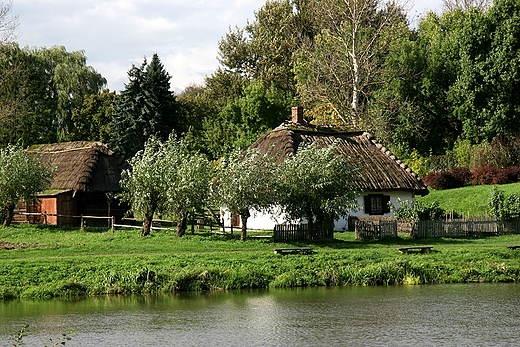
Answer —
(21, 177)
(317, 184)
(166, 178)
(245, 183)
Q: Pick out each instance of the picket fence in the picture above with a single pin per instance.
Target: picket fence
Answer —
(302, 232)
(472, 227)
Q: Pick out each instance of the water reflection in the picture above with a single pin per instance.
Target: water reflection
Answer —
(440, 315)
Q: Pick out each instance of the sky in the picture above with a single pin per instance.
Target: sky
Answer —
(114, 34)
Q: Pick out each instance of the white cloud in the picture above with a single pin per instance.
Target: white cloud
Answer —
(116, 33)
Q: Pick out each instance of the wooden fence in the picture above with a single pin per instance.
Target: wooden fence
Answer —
(375, 229)
(465, 227)
(43, 217)
(302, 232)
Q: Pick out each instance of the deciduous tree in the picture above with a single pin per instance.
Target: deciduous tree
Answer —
(316, 184)
(166, 178)
(8, 23)
(245, 184)
(339, 69)
(21, 177)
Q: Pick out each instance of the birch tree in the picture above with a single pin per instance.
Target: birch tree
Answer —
(345, 61)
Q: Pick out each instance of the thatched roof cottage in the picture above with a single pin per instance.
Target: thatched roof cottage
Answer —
(84, 182)
(382, 176)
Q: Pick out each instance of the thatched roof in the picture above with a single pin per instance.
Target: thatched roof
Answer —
(379, 169)
(82, 166)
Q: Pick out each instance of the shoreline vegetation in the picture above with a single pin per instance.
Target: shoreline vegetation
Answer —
(44, 262)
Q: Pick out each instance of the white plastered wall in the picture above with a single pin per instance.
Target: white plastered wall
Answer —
(264, 221)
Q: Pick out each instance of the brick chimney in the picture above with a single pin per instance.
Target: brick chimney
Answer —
(297, 114)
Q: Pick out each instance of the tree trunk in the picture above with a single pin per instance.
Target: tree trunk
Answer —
(147, 224)
(182, 226)
(9, 215)
(310, 216)
(244, 217)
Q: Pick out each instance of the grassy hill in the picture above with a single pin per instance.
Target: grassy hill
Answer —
(472, 199)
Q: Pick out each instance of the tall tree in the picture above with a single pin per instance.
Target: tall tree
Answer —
(21, 177)
(263, 50)
(8, 23)
(68, 81)
(145, 108)
(93, 120)
(43, 87)
(343, 64)
(450, 5)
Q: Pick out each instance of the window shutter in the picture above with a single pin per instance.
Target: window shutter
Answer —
(368, 205)
(386, 207)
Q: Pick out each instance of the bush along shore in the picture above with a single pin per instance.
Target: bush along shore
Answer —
(45, 262)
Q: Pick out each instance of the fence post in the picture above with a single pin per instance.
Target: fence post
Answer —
(113, 219)
(45, 217)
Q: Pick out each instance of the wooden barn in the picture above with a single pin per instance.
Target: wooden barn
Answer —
(85, 181)
(382, 177)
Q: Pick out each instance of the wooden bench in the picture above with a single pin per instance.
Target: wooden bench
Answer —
(513, 247)
(422, 249)
(296, 250)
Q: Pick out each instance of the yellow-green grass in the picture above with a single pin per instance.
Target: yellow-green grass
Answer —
(472, 200)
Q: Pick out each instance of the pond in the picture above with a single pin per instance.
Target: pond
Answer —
(432, 315)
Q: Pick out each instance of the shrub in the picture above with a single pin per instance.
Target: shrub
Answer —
(502, 207)
(493, 175)
(455, 178)
(431, 212)
(483, 175)
(407, 210)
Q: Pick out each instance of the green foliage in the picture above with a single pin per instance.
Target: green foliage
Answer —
(21, 177)
(502, 207)
(93, 120)
(39, 91)
(258, 111)
(145, 108)
(166, 178)
(417, 210)
(405, 209)
(263, 50)
(245, 182)
(419, 164)
(317, 184)
(344, 63)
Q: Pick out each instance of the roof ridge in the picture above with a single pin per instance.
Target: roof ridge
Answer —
(389, 154)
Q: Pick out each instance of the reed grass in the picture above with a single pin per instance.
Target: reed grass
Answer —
(70, 262)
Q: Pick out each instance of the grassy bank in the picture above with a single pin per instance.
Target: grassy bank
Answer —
(41, 262)
(472, 199)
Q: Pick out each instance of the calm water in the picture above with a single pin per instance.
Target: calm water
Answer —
(436, 315)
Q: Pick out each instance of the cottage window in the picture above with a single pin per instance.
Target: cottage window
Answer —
(377, 204)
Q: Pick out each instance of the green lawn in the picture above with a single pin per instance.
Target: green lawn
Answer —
(71, 262)
(472, 199)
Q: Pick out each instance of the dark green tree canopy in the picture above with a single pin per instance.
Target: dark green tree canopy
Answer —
(145, 108)
(39, 90)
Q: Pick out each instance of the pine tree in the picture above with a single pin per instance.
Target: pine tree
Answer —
(145, 108)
